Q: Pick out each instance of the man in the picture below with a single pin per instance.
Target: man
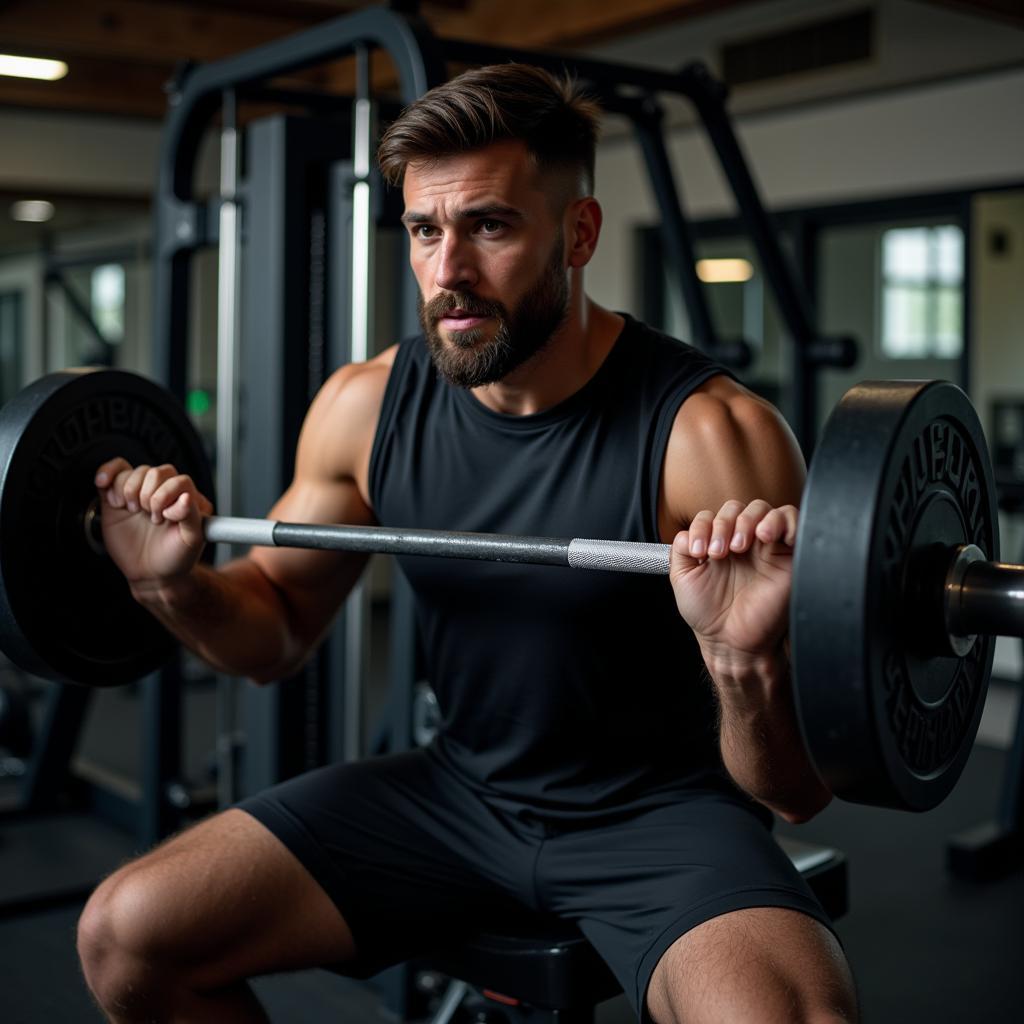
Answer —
(607, 753)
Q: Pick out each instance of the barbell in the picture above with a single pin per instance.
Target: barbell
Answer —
(897, 592)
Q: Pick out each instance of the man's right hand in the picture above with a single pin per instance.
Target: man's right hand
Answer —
(152, 520)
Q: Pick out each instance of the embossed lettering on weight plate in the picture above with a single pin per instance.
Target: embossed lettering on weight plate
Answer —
(929, 736)
(97, 418)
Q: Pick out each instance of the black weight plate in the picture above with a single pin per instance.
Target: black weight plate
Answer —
(901, 477)
(66, 612)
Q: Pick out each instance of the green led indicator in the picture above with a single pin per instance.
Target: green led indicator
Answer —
(198, 402)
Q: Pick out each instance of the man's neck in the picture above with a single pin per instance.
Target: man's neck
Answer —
(572, 356)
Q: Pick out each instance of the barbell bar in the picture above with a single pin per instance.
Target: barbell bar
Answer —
(978, 596)
(610, 555)
(897, 597)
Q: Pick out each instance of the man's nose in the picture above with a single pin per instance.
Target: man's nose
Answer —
(455, 269)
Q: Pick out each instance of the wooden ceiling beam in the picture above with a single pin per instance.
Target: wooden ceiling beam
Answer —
(159, 32)
(548, 24)
(541, 24)
(121, 52)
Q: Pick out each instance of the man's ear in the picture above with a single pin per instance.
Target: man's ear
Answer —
(583, 227)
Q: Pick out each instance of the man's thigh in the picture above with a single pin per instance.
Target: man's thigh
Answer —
(636, 886)
(221, 901)
(408, 855)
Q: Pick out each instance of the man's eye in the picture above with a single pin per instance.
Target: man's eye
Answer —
(489, 227)
(424, 231)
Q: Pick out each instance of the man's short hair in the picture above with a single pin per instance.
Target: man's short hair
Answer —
(554, 118)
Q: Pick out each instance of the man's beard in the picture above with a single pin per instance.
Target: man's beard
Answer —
(467, 360)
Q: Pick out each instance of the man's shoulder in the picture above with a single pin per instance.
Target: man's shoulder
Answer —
(657, 344)
(357, 383)
(349, 403)
(663, 368)
(726, 442)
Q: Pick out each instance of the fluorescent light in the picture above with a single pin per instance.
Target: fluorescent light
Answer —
(33, 211)
(32, 67)
(724, 271)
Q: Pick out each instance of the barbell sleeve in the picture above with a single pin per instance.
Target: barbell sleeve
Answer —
(610, 555)
(990, 600)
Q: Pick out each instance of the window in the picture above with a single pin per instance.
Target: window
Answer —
(922, 292)
(107, 300)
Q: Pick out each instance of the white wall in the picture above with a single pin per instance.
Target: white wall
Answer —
(914, 41)
(963, 134)
(82, 154)
(997, 366)
(77, 153)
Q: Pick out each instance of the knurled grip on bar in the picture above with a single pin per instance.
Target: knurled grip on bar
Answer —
(619, 556)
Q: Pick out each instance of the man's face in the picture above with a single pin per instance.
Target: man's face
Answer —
(487, 249)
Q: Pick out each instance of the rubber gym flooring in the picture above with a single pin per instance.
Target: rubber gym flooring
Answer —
(924, 946)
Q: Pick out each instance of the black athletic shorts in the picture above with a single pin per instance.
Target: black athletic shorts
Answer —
(414, 857)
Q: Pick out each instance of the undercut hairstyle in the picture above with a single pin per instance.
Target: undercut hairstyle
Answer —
(556, 120)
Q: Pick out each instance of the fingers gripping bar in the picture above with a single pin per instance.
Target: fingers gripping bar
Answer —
(609, 555)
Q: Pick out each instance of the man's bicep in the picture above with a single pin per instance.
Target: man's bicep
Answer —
(727, 444)
(329, 486)
(312, 584)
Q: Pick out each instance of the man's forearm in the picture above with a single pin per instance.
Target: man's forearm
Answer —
(230, 617)
(761, 744)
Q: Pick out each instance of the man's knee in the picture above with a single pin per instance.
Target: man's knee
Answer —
(123, 951)
(765, 964)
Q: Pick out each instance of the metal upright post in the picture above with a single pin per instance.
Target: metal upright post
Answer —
(288, 166)
(358, 608)
(49, 767)
(161, 763)
(228, 346)
(676, 237)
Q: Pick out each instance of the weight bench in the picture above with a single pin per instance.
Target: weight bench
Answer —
(543, 968)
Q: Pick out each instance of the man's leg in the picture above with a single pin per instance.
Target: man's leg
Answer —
(173, 936)
(762, 964)
(699, 912)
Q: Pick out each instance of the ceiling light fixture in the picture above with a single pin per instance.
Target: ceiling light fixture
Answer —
(32, 211)
(724, 271)
(32, 67)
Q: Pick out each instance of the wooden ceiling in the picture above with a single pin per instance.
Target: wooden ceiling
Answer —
(121, 53)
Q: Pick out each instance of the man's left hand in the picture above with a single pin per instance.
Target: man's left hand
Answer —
(731, 573)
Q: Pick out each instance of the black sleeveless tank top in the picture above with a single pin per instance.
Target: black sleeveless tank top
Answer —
(564, 690)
